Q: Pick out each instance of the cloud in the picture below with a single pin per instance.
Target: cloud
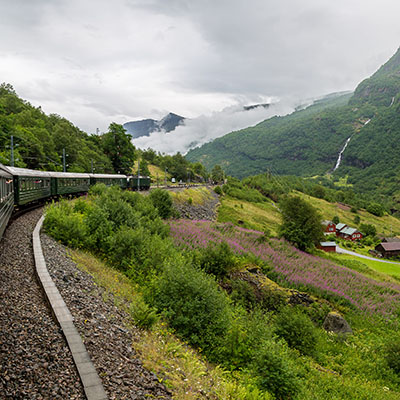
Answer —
(205, 128)
(96, 62)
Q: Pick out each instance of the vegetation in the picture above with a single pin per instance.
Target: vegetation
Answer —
(238, 319)
(301, 223)
(308, 141)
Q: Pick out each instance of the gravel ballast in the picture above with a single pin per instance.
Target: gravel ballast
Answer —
(35, 362)
(103, 328)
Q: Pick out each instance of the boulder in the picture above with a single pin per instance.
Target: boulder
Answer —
(334, 322)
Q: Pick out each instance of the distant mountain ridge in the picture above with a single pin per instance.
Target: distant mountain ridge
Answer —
(144, 127)
(308, 141)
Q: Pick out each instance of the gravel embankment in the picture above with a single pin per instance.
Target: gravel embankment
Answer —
(35, 362)
(207, 211)
(103, 329)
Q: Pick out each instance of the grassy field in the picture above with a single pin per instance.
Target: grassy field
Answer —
(195, 196)
(386, 225)
(385, 268)
(258, 216)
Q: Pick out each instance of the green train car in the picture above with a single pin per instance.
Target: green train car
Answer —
(109, 180)
(30, 185)
(63, 183)
(138, 182)
(6, 198)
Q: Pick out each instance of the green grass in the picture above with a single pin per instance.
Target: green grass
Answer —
(386, 225)
(179, 367)
(381, 267)
(259, 216)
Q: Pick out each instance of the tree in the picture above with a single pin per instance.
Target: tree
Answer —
(217, 174)
(118, 147)
(301, 223)
(376, 209)
(335, 219)
(368, 229)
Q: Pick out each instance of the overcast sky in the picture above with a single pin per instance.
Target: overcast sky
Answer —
(101, 61)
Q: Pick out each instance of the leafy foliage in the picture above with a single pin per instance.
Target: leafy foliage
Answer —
(192, 302)
(301, 223)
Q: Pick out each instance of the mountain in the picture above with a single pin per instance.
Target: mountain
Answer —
(145, 127)
(308, 142)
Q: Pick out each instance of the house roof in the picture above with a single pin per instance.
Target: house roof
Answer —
(328, 244)
(348, 231)
(390, 239)
(390, 246)
(326, 222)
(340, 226)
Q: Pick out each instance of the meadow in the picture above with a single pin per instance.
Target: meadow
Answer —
(292, 266)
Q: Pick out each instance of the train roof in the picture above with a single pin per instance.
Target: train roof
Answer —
(68, 175)
(113, 176)
(4, 171)
(27, 172)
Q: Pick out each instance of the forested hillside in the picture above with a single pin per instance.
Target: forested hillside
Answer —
(308, 142)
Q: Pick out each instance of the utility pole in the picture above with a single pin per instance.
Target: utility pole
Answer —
(138, 175)
(12, 150)
(64, 169)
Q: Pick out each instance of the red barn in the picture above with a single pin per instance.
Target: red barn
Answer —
(328, 246)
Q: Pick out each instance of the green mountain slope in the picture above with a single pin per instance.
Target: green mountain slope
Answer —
(308, 142)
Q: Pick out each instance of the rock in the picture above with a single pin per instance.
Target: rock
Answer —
(334, 322)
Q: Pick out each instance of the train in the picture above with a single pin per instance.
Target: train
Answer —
(20, 187)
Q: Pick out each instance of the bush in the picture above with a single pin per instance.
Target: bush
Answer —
(161, 199)
(275, 370)
(65, 225)
(218, 190)
(192, 303)
(243, 294)
(376, 209)
(368, 229)
(217, 259)
(393, 355)
(297, 329)
(143, 315)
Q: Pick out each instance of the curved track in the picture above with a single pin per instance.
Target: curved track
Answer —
(35, 359)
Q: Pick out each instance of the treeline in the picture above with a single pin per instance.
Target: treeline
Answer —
(40, 140)
(260, 187)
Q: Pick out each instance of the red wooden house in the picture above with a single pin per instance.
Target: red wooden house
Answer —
(329, 227)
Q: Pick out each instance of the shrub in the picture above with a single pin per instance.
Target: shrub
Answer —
(99, 228)
(143, 315)
(192, 303)
(335, 219)
(376, 209)
(393, 355)
(65, 225)
(125, 245)
(275, 371)
(217, 259)
(243, 294)
(297, 329)
(161, 199)
(368, 229)
(218, 190)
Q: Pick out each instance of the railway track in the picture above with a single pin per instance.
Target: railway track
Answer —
(35, 359)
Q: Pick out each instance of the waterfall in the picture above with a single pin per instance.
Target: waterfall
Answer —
(340, 154)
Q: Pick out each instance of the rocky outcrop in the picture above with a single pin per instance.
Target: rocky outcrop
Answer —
(334, 322)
